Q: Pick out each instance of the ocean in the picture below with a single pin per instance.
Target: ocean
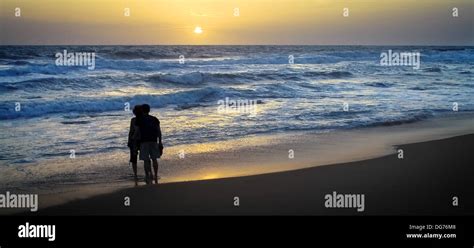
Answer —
(48, 110)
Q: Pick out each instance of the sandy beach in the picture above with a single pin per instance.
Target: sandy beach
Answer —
(436, 167)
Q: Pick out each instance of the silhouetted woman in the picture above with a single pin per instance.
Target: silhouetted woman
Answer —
(134, 139)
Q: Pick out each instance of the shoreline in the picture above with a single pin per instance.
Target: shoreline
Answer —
(261, 155)
(423, 183)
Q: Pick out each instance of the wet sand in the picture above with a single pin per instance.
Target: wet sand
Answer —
(424, 182)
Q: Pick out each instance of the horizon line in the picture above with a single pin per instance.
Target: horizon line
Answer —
(380, 45)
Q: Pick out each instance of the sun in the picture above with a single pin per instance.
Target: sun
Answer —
(197, 30)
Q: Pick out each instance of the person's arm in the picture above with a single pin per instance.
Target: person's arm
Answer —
(131, 131)
(159, 131)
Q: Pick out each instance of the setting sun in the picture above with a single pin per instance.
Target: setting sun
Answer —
(197, 30)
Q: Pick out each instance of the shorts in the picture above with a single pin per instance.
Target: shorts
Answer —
(149, 150)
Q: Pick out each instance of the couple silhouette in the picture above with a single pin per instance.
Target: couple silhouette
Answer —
(144, 141)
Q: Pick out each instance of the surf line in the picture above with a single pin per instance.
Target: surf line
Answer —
(9, 200)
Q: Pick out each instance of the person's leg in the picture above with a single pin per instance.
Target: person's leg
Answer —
(155, 168)
(133, 160)
(154, 155)
(145, 156)
(134, 166)
(147, 165)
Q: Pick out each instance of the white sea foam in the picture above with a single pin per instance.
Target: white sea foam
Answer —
(306, 95)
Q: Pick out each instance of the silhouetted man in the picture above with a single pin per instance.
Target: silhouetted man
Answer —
(150, 143)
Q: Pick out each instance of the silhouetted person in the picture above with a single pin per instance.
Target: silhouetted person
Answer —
(151, 146)
(134, 139)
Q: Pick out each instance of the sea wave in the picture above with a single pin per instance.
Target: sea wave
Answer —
(51, 83)
(7, 88)
(90, 105)
(379, 84)
(196, 78)
(307, 95)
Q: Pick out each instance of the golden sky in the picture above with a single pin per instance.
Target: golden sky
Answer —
(378, 22)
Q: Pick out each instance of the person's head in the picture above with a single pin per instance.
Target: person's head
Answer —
(137, 110)
(146, 108)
